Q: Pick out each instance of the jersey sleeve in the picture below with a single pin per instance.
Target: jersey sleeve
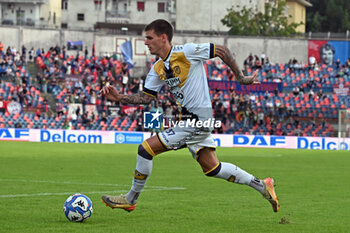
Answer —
(200, 51)
(153, 83)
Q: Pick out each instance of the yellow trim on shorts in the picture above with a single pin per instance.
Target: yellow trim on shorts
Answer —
(163, 144)
(212, 169)
(148, 148)
(198, 151)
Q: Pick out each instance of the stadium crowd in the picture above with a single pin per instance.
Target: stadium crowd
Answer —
(304, 105)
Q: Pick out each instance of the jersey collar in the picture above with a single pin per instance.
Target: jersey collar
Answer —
(168, 54)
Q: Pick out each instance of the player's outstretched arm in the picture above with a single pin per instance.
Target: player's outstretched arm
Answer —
(224, 53)
(112, 94)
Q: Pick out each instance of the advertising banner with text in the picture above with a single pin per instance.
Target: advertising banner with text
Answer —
(262, 88)
(222, 140)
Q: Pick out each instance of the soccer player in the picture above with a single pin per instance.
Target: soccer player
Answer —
(181, 68)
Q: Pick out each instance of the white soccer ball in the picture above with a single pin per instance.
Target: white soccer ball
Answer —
(78, 208)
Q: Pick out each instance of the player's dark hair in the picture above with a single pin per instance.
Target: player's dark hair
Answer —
(161, 26)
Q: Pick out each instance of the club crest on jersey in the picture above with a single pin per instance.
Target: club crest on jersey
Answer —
(177, 70)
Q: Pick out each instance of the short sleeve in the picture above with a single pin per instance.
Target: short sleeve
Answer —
(153, 83)
(200, 51)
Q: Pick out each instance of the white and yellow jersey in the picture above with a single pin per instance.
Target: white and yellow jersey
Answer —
(183, 72)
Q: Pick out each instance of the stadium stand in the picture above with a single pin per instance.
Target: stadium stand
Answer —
(306, 106)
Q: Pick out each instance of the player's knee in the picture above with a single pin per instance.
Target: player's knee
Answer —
(144, 153)
(213, 171)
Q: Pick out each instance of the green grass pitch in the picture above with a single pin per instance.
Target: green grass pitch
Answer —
(36, 178)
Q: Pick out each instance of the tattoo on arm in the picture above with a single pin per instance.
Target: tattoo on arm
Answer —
(244, 80)
(224, 53)
(139, 98)
(226, 56)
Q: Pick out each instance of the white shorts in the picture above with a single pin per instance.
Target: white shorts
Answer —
(194, 138)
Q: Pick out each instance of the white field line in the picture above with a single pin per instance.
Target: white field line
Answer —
(83, 183)
(147, 188)
(55, 194)
(70, 193)
(261, 155)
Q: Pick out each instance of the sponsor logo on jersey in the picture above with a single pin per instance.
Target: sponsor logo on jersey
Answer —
(173, 82)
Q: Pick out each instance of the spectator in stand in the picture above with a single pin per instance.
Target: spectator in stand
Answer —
(337, 64)
(346, 70)
(242, 103)
(296, 91)
(311, 94)
(320, 94)
(46, 106)
(31, 54)
(280, 111)
(135, 85)
(252, 98)
(44, 85)
(2, 104)
(262, 57)
(1, 48)
(38, 113)
(85, 120)
(38, 52)
(67, 124)
(312, 62)
(290, 110)
(63, 52)
(73, 116)
(18, 125)
(250, 59)
(57, 49)
(310, 83)
(8, 51)
(301, 91)
(253, 117)
(257, 64)
(104, 117)
(13, 51)
(93, 97)
(347, 63)
(248, 62)
(270, 106)
(24, 53)
(261, 117)
(218, 110)
(125, 76)
(86, 52)
(59, 109)
(340, 73)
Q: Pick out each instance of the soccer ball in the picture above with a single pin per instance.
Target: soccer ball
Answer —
(77, 208)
